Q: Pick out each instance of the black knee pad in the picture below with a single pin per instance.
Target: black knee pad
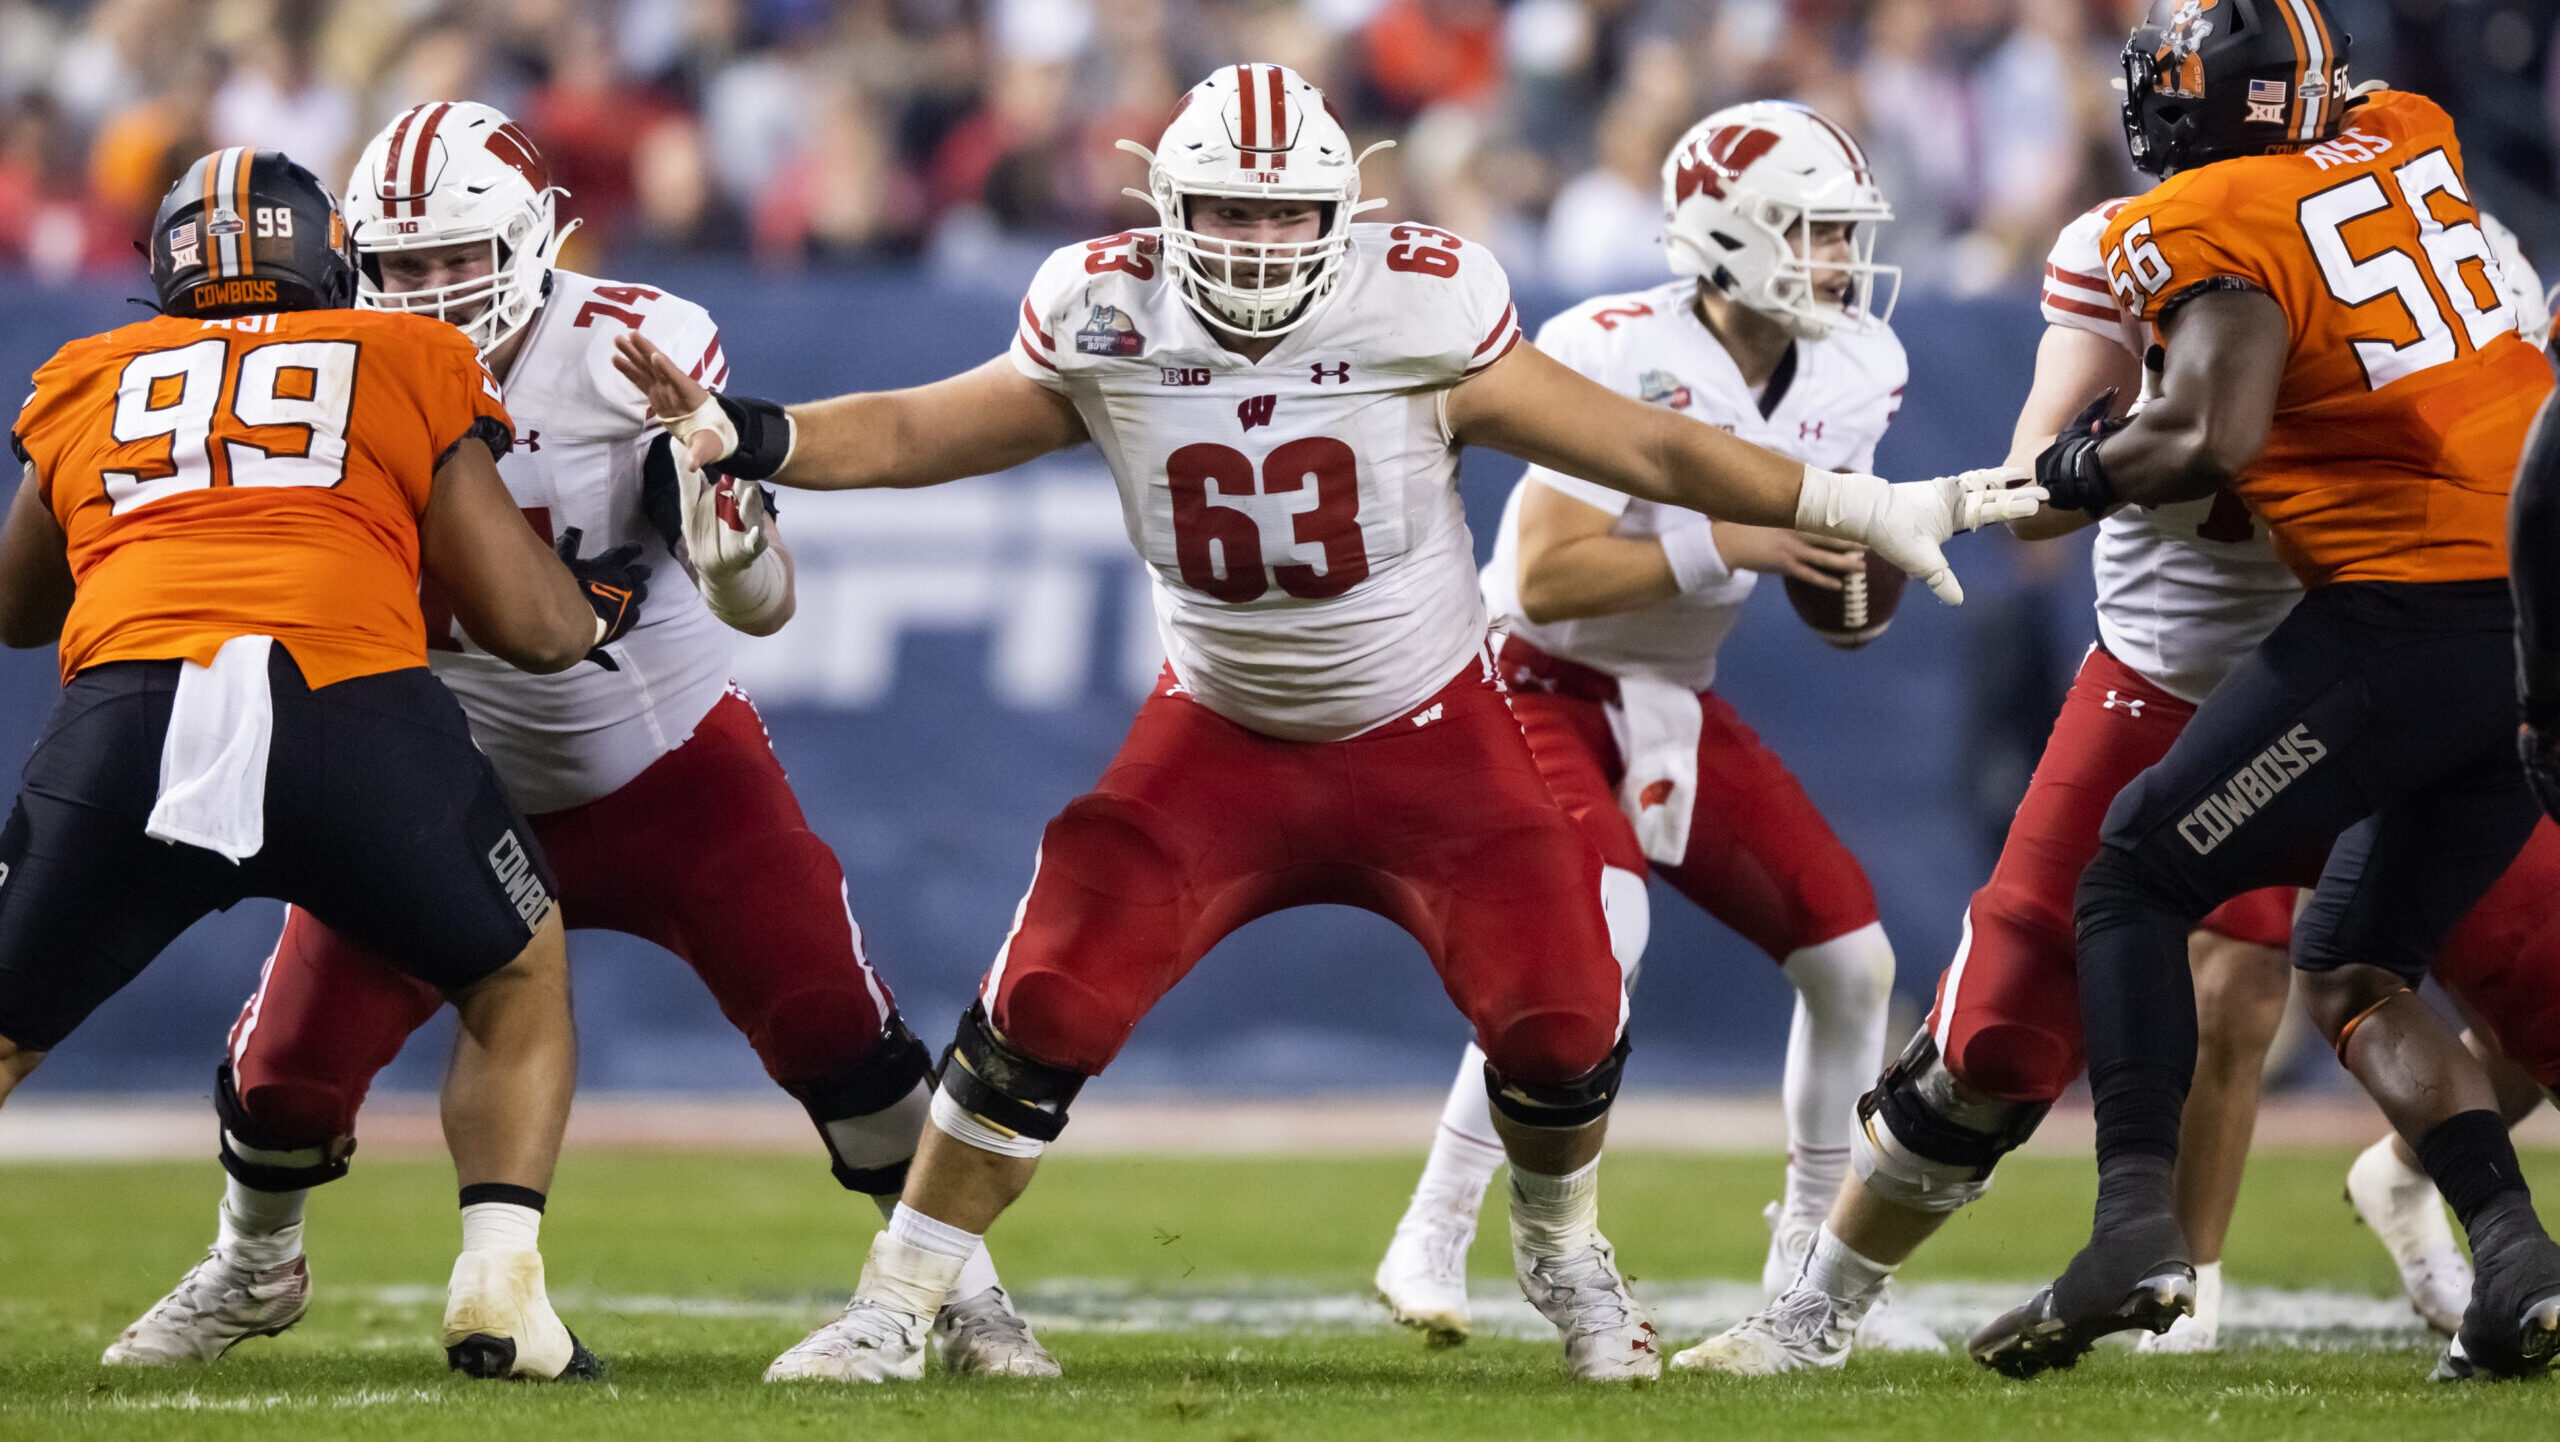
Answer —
(887, 1075)
(1910, 1099)
(1574, 1103)
(1001, 1086)
(264, 1176)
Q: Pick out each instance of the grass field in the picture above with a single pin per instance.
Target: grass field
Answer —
(689, 1272)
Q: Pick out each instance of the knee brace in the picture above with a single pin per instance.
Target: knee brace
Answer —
(265, 1160)
(1574, 1103)
(997, 1099)
(870, 1113)
(1922, 1144)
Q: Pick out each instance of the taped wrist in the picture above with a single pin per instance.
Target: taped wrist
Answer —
(748, 597)
(1578, 1102)
(1000, 1087)
(266, 1161)
(870, 1113)
(766, 434)
(2069, 469)
(1843, 505)
(1695, 562)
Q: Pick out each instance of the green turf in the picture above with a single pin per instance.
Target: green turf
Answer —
(86, 1247)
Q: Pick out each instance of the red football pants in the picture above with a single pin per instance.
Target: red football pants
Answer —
(705, 853)
(2007, 1017)
(2503, 958)
(1437, 820)
(1761, 859)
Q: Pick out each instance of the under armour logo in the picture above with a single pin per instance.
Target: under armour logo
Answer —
(1808, 430)
(1655, 793)
(1427, 716)
(530, 440)
(1338, 371)
(2132, 704)
(1256, 410)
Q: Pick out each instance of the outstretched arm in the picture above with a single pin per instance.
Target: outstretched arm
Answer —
(981, 421)
(35, 570)
(1531, 406)
(509, 591)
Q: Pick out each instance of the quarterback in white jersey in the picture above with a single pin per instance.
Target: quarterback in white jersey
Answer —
(1615, 607)
(1280, 393)
(646, 775)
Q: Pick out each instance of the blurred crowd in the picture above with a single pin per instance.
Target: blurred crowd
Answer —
(971, 135)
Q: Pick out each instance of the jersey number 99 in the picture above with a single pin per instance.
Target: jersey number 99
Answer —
(287, 424)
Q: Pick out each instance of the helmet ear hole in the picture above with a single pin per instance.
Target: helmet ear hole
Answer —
(1727, 241)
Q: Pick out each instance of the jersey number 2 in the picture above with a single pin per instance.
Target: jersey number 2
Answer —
(288, 418)
(1234, 571)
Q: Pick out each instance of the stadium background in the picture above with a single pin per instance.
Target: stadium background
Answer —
(858, 191)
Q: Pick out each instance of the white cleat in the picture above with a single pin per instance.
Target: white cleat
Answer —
(868, 1342)
(1790, 1242)
(1799, 1332)
(498, 1322)
(217, 1305)
(1890, 1327)
(2405, 1211)
(1607, 1336)
(1423, 1276)
(983, 1336)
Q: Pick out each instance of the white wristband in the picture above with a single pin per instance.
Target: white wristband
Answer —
(1695, 562)
(748, 598)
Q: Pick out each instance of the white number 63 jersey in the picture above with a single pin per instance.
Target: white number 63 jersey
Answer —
(1313, 573)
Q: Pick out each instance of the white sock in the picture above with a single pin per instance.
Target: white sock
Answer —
(1849, 1281)
(501, 1227)
(2208, 1295)
(883, 1138)
(1834, 1050)
(1552, 1215)
(1465, 1150)
(259, 1229)
(942, 1239)
(977, 1274)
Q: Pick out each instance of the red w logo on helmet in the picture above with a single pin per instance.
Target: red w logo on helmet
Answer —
(1719, 160)
(515, 150)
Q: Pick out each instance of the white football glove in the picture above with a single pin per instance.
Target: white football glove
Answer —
(1905, 523)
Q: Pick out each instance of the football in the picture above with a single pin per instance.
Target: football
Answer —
(1856, 613)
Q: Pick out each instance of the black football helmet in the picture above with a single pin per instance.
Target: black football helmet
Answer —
(2220, 78)
(249, 230)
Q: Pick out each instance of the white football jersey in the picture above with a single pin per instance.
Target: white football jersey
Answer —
(1827, 406)
(2184, 590)
(1313, 573)
(581, 432)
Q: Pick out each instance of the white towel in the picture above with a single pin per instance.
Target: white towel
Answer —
(1656, 725)
(213, 766)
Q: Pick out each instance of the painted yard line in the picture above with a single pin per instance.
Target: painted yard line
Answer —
(94, 1128)
(1684, 1310)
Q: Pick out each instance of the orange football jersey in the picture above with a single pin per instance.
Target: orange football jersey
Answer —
(2407, 393)
(261, 475)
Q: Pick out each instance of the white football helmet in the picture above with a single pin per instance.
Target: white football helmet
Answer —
(1258, 131)
(447, 172)
(1741, 194)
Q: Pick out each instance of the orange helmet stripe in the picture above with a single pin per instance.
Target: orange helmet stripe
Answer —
(244, 160)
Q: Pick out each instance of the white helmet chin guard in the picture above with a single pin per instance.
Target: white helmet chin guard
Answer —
(1255, 132)
(1741, 194)
(443, 174)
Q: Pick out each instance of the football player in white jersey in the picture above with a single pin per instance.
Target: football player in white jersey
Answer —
(650, 779)
(1615, 608)
(1281, 394)
(2184, 592)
